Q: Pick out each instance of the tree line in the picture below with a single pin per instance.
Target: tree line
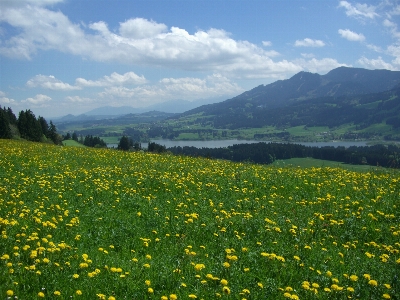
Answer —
(267, 153)
(27, 127)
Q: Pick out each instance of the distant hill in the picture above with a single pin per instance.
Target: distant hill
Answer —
(342, 96)
(173, 106)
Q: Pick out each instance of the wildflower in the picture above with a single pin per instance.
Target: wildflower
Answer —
(224, 282)
(226, 264)
(10, 293)
(373, 282)
(192, 296)
(75, 276)
(226, 290)
(40, 295)
(367, 276)
(199, 267)
(150, 290)
(350, 289)
(111, 298)
(173, 297)
(353, 277)
(386, 296)
(260, 284)
(164, 298)
(78, 292)
(57, 293)
(147, 282)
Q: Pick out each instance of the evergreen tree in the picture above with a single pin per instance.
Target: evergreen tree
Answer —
(75, 136)
(29, 127)
(125, 143)
(5, 131)
(44, 126)
(52, 134)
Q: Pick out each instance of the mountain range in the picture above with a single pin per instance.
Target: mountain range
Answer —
(342, 96)
(362, 100)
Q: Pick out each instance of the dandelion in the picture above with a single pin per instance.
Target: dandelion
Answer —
(173, 297)
(150, 290)
(40, 295)
(226, 290)
(353, 277)
(192, 296)
(386, 296)
(78, 292)
(373, 282)
(199, 267)
(10, 293)
(57, 293)
(224, 282)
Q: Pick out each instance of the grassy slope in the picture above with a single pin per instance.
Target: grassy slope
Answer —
(104, 224)
(72, 143)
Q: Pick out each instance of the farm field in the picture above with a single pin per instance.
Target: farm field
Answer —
(80, 223)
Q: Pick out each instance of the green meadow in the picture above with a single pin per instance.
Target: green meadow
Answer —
(81, 223)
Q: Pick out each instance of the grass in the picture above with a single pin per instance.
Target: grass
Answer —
(309, 162)
(81, 223)
(72, 143)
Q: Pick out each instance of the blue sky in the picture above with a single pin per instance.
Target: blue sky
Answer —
(70, 56)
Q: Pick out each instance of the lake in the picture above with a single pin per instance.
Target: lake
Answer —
(226, 143)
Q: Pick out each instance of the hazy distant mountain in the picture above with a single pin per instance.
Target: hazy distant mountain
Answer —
(174, 106)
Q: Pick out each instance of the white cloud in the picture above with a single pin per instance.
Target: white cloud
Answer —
(374, 48)
(38, 99)
(141, 28)
(359, 10)
(309, 43)
(267, 43)
(79, 99)
(4, 100)
(114, 79)
(187, 88)
(394, 50)
(307, 55)
(51, 83)
(319, 66)
(138, 41)
(351, 36)
(378, 63)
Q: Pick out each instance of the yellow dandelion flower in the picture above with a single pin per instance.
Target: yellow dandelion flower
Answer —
(40, 295)
(226, 290)
(224, 282)
(373, 282)
(57, 293)
(150, 290)
(386, 296)
(10, 293)
(173, 297)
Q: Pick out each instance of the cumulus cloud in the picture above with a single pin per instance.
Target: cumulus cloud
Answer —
(309, 43)
(172, 88)
(137, 41)
(51, 83)
(320, 66)
(5, 100)
(114, 79)
(359, 10)
(267, 43)
(378, 63)
(141, 28)
(39, 99)
(351, 36)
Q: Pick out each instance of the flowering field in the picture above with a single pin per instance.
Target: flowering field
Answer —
(102, 224)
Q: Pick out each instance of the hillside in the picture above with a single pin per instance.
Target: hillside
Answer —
(366, 101)
(346, 103)
(81, 223)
